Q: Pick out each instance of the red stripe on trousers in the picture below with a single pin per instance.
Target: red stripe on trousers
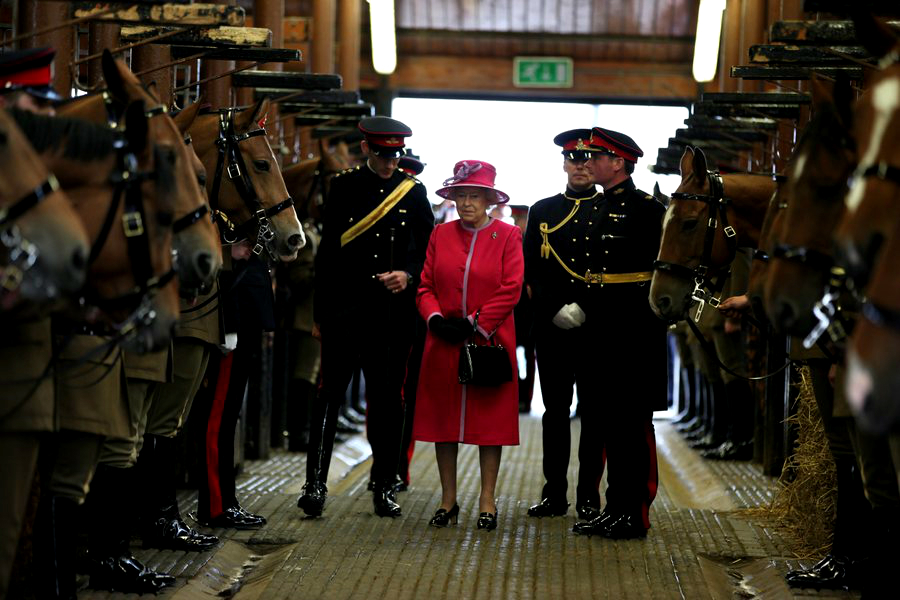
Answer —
(212, 436)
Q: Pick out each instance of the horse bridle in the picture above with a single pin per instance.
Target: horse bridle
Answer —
(228, 150)
(708, 281)
(22, 254)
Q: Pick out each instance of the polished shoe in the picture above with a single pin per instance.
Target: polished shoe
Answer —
(623, 527)
(549, 508)
(232, 518)
(249, 516)
(174, 534)
(399, 485)
(487, 521)
(443, 517)
(832, 572)
(126, 574)
(587, 510)
(384, 502)
(729, 450)
(592, 527)
(312, 498)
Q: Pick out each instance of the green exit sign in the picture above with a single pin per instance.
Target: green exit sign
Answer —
(542, 71)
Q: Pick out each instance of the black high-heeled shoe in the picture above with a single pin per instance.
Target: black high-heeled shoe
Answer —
(443, 517)
(487, 521)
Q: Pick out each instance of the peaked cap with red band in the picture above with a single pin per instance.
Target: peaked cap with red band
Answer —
(29, 70)
(607, 140)
(411, 163)
(575, 144)
(385, 135)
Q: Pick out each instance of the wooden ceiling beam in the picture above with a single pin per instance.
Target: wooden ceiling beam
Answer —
(161, 14)
(494, 76)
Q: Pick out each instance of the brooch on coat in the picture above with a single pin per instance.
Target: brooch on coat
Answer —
(494, 236)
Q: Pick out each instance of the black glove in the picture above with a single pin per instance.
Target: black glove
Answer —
(453, 330)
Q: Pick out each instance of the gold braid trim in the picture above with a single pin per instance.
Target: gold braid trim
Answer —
(382, 209)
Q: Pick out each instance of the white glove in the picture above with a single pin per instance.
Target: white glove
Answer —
(569, 316)
(230, 342)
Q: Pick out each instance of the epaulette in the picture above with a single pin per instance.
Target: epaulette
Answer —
(345, 171)
(649, 197)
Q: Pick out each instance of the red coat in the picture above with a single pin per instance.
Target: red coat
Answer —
(455, 284)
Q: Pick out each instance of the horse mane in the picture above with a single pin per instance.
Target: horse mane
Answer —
(79, 140)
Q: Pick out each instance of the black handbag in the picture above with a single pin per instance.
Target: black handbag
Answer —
(484, 365)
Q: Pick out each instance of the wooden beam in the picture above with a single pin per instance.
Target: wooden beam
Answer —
(593, 80)
(756, 98)
(775, 111)
(795, 71)
(162, 14)
(782, 53)
(318, 97)
(287, 81)
(756, 123)
(824, 33)
(261, 55)
(224, 36)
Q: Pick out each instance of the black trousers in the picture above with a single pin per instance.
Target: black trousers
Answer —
(564, 360)
(380, 345)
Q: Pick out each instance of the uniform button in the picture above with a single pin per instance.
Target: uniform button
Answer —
(590, 222)
(375, 256)
(574, 240)
(576, 220)
(381, 191)
(606, 252)
(587, 253)
(377, 235)
(572, 259)
(604, 269)
(402, 222)
(572, 280)
(351, 219)
(595, 208)
(587, 237)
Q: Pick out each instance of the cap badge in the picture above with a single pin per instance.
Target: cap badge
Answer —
(580, 145)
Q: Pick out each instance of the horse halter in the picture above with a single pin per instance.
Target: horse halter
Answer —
(228, 149)
(127, 180)
(707, 280)
(22, 254)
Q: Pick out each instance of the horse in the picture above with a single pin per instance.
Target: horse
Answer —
(127, 212)
(250, 203)
(43, 244)
(308, 180)
(693, 259)
(196, 242)
(817, 183)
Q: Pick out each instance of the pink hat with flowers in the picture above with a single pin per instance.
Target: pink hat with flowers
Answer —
(473, 173)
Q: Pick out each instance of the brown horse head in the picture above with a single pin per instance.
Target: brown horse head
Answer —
(124, 194)
(196, 243)
(708, 217)
(817, 183)
(872, 208)
(43, 246)
(769, 236)
(244, 181)
(873, 354)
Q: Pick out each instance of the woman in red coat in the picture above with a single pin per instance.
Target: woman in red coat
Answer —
(473, 269)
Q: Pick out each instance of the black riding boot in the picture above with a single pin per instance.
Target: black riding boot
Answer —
(321, 444)
(299, 402)
(160, 520)
(110, 519)
(54, 547)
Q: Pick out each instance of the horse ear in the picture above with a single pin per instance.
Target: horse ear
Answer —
(687, 162)
(257, 116)
(113, 78)
(185, 118)
(876, 37)
(136, 126)
(700, 165)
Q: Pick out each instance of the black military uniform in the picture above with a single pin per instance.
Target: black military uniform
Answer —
(561, 246)
(629, 364)
(361, 321)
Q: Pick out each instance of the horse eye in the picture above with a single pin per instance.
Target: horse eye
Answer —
(689, 225)
(201, 179)
(261, 165)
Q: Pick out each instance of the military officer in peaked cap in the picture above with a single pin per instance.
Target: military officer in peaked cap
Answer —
(410, 163)
(559, 251)
(26, 78)
(630, 358)
(375, 232)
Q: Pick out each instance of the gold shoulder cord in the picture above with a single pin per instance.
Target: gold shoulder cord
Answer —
(588, 277)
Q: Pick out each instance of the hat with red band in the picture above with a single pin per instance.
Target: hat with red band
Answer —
(410, 163)
(613, 142)
(30, 71)
(384, 135)
(575, 144)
